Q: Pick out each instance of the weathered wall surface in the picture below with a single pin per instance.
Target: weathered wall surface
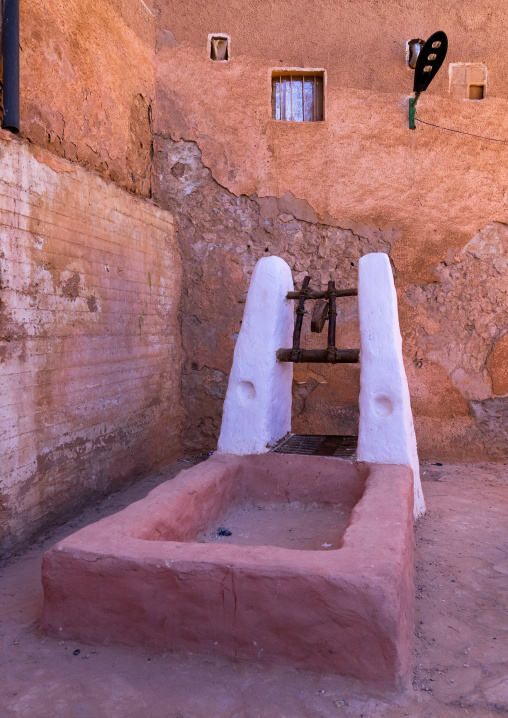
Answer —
(322, 194)
(222, 237)
(87, 84)
(318, 194)
(89, 338)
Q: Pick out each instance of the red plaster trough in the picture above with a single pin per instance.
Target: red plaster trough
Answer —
(156, 575)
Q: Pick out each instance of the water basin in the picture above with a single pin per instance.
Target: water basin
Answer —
(317, 572)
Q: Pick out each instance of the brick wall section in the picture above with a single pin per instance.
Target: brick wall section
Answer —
(89, 338)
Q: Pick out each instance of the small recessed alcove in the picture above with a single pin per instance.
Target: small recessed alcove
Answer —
(476, 92)
(219, 47)
(468, 80)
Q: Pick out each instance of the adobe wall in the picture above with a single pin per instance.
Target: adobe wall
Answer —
(90, 282)
(87, 84)
(321, 195)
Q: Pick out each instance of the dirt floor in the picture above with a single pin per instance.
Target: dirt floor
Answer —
(461, 633)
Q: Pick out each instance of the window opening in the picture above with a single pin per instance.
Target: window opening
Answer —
(219, 48)
(468, 80)
(476, 92)
(297, 97)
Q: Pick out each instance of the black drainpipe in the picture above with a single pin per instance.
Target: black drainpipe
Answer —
(10, 57)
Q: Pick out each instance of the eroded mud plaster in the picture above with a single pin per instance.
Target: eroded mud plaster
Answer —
(454, 328)
(460, 324)
(221, 238)
(429, 190)
(87, 85)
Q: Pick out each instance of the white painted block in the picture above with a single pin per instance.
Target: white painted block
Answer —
(257, 408)
(386, 431)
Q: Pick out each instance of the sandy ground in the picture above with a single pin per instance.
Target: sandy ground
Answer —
(461, 632)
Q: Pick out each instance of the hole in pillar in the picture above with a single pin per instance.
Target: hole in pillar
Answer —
(383, 405)
(246, 390)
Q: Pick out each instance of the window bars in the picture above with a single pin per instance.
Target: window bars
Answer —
(297, 98)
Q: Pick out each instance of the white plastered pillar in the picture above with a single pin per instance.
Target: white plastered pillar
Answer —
(257, 408)
(386, 431)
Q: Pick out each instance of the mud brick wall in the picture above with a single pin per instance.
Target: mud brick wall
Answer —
(127, 89)
(454, 325)
(87, 84)
(89, 338)
(242, 185)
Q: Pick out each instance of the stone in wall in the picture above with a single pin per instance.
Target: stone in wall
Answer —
(221, 237)
(89, 339)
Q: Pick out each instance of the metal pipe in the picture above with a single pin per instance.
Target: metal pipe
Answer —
(412, 111)
(10, 58)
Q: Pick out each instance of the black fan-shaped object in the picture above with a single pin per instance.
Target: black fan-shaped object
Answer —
(429, 61)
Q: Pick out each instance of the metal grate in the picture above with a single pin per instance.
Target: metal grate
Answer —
(297, 98)
(343, 447)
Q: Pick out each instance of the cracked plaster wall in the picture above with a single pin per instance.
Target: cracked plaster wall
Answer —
(242, 185)
(461, 325)
(90, 277)
(221, 238)
(458, 329)
(111, 85)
